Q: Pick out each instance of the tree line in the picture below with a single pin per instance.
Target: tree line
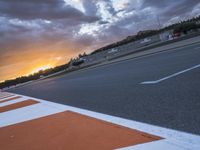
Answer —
(32, 77)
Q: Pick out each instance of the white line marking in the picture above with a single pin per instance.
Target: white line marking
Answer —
(27, 113)
(158, 145)
(13, 101)
(5, 96)
(170, 76)
(3, 99)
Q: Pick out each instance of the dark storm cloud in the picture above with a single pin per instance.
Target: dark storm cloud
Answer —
(169, 8)
(159, 3)
(43, 9)
(182, 8)
(90, 7)
(24, 23)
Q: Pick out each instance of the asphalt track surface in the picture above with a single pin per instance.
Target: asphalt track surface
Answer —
(116, 89)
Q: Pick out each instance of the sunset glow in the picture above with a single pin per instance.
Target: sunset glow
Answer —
(41, 68)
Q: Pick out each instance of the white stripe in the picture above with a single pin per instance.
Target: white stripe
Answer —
(4, 93)
(170, 76)
(159, 145)
(27, 113)
(13, 101)
(5, 96)
(3, 99)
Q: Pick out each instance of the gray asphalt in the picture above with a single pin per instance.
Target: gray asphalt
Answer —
(115, 89)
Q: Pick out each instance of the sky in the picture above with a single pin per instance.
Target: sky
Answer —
(36, 34)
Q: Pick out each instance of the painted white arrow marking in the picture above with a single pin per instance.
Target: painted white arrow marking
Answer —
(170, 76)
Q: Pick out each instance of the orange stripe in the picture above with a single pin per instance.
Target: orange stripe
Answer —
(6, 100)
(68, 130)
(17, 105)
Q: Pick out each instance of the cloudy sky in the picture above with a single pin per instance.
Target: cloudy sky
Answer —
(46, 33)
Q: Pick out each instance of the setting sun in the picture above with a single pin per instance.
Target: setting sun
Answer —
(41, 68)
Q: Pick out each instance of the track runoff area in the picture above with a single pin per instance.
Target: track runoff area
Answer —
(35, 124)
